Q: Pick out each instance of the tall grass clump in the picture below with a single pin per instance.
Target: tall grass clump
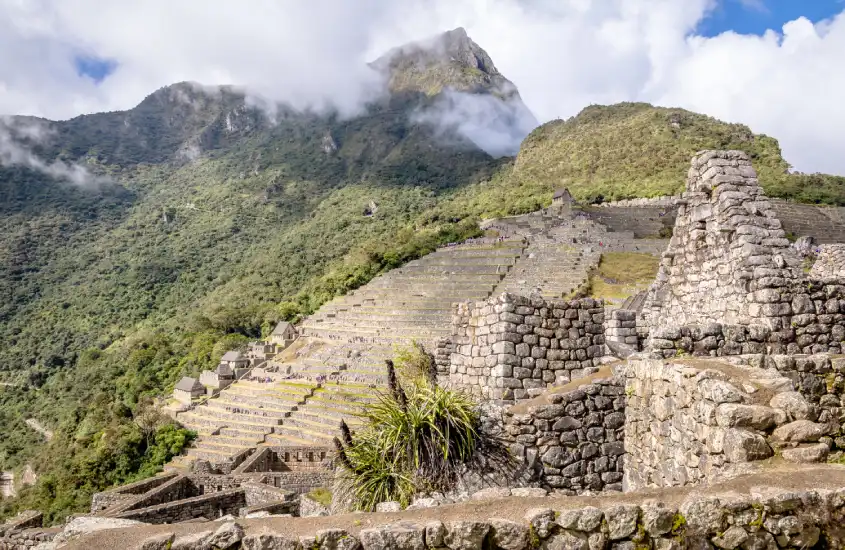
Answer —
(416, 439)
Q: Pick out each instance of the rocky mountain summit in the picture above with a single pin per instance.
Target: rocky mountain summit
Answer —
(451, 60)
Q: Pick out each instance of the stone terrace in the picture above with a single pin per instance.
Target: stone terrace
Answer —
(339, 363)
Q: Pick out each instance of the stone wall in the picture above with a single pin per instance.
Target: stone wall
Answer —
(295, 481)
(830, 262)
(728, 262)
(209, 506)
(759, 518)
(572, 440)
(178, 488)
(693, 421)
(621, 329)
(511, 347)
(106, 499)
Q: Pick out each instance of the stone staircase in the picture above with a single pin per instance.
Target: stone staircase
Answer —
(561, 252)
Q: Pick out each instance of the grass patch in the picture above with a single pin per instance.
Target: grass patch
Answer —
(321, 495)
(623, 274)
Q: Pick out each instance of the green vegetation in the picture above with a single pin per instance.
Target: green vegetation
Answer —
(414, 362)
(321, 495)
(218, 222)
(622, 274)
(415, 439)
(634, 150)
(97, 456)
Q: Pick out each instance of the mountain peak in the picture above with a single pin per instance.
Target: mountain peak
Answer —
(449, 60)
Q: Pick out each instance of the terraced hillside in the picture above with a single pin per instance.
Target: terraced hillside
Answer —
(339, 362)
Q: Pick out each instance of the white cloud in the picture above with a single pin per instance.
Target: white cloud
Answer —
(16, 138)
(562, 54)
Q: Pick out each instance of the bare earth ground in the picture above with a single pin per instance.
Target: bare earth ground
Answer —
(776, 475)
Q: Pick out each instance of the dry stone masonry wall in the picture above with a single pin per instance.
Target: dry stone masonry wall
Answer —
(511, 347)
(830, 262)
(573, 441)
(729, 263)
(757, 518)
(695, 421)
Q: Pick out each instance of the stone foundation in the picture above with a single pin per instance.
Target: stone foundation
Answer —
(692, 421)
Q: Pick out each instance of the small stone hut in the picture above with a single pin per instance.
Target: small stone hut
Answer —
(187, 389)
(283, 335)
(219, 378)
(234, 360)
(562, 197)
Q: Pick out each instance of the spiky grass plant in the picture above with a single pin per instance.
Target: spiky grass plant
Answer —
(415, 439)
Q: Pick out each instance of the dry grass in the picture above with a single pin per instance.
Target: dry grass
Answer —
(622, 274)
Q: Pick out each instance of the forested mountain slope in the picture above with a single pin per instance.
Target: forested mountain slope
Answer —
(137, 246)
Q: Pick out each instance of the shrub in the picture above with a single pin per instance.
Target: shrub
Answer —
(415, 439)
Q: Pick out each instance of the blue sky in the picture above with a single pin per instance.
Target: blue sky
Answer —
(93, 67)
(756, 16)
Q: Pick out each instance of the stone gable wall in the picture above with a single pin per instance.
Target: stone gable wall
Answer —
(728, 263)
(727, 244)
(209, 506)
(511, 347)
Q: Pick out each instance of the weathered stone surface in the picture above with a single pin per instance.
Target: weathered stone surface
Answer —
(336, 539)
(732, 538)
(794, 404)
(227, 536)
(621, 521)
(735, 415)
(541, 521)
(743, 446)
(806, 453)
(657, 520)
(403, 536)
(164, 541)
(566, 540)
(800, 431)
(269, 541)
(508, 535)
(465, 535)
(195, 541)
(581, 519)
(388, 507)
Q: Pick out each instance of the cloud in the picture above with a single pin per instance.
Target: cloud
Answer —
(16, 139)
(494, 125)
(562, 55)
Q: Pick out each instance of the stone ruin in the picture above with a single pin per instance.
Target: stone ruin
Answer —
(830, 262)
(727, 385)
(729, 282)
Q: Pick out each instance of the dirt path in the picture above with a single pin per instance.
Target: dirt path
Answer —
(780, 476)
(36, 425)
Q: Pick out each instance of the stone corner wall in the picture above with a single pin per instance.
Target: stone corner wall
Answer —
(512, 347)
